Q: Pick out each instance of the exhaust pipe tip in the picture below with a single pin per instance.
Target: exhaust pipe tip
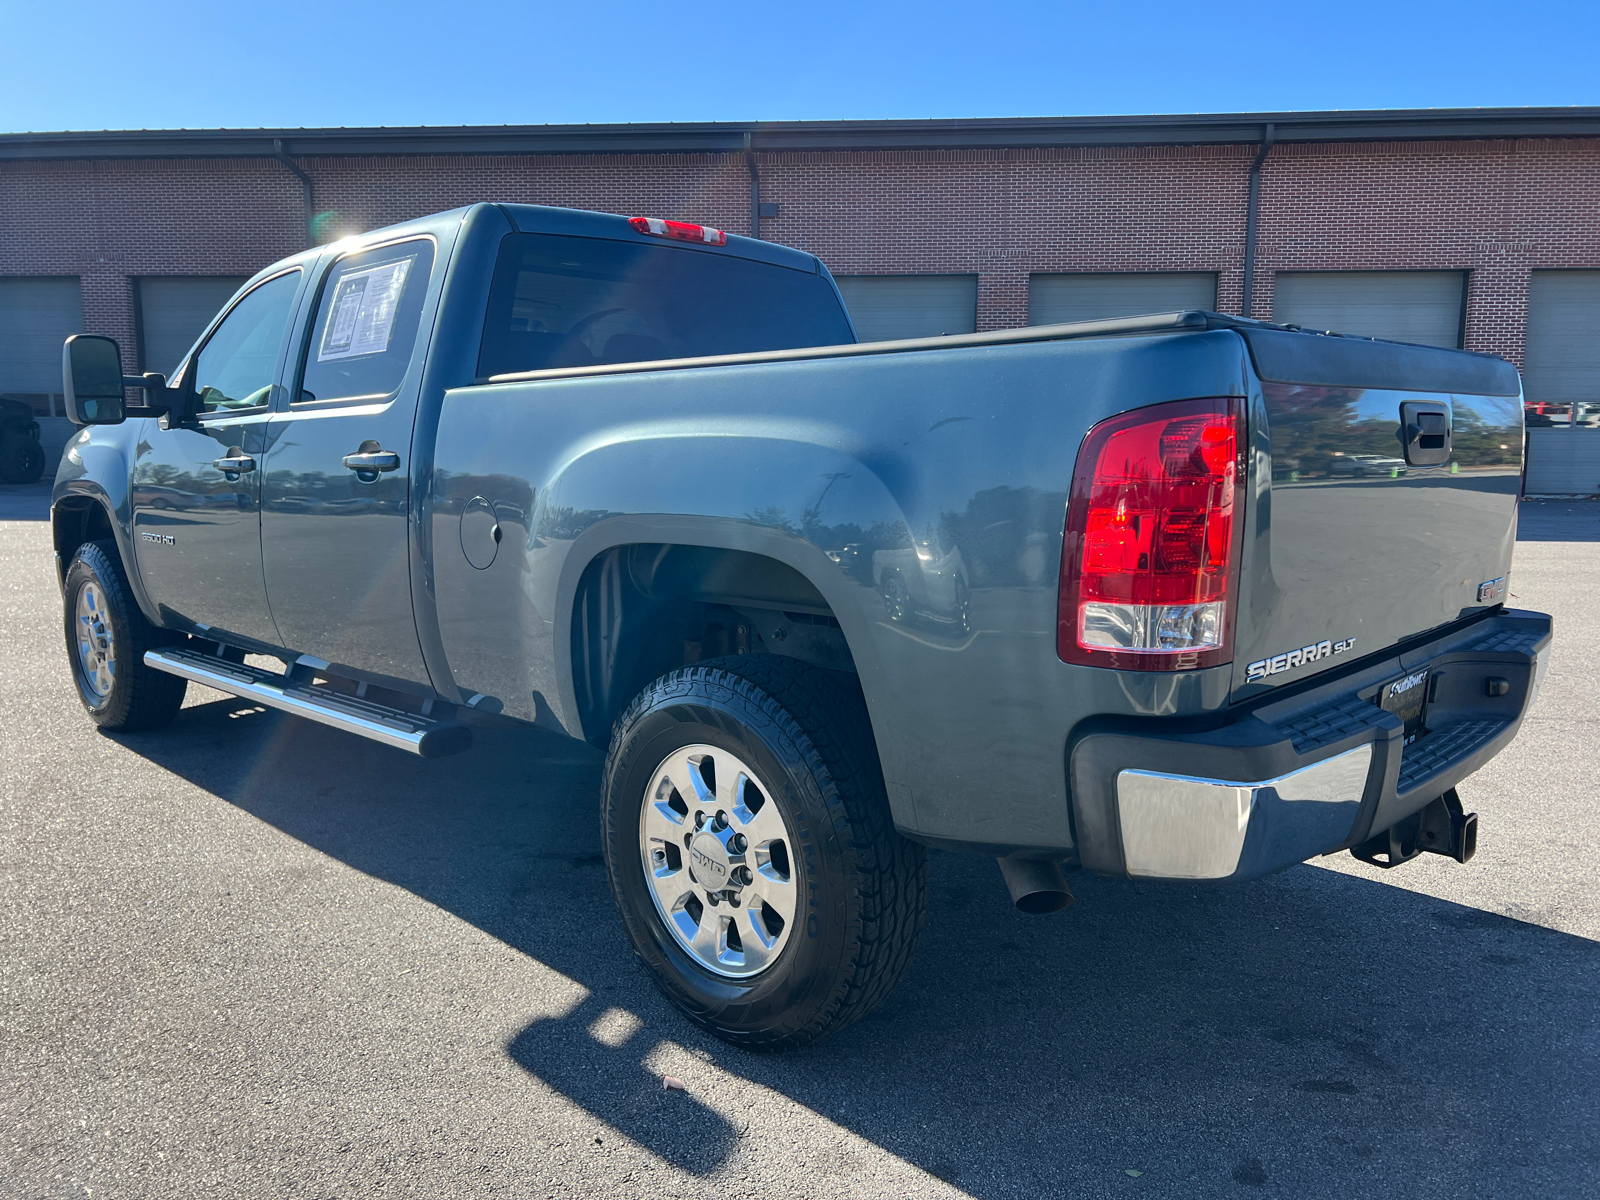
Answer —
(1466, 841)
(1036, 885)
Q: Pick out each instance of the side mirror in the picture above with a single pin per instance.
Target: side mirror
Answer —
(91, 379)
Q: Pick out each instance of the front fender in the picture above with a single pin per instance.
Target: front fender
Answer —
(96, 468)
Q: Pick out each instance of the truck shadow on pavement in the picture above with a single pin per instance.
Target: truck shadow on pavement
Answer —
(1302, 1033)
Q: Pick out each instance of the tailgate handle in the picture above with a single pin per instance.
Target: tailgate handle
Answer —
(1425, 430)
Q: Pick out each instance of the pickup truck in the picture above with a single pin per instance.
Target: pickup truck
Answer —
(1093, 596)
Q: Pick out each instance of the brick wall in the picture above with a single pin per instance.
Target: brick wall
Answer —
(1495, 208)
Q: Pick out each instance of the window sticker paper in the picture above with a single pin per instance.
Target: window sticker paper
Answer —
(361, 317)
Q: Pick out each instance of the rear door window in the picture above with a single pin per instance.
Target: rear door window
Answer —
(365, 330)
(578, 302)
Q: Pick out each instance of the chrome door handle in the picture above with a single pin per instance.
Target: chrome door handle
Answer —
(365, 462)
(235, 463)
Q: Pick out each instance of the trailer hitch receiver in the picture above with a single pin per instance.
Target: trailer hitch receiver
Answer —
(1440, 828)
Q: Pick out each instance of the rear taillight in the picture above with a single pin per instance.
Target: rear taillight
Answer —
(679, 230)
(1151, 551)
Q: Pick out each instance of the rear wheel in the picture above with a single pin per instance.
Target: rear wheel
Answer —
(751, 852)
(107, 636)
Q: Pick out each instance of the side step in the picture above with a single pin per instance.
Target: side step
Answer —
(391, 726)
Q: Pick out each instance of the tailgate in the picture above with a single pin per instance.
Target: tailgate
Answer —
(1368, 524)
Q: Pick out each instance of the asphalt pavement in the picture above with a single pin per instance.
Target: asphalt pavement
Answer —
(248, 956)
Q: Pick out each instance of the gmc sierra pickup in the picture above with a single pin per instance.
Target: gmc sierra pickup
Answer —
(1178, 597)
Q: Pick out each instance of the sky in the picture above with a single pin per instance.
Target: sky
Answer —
(161, 64)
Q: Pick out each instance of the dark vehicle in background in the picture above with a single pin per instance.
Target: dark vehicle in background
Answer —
(21, 455)
(1076, 597)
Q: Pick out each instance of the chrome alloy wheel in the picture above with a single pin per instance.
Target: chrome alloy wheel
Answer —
(97, 652)
(717, 861)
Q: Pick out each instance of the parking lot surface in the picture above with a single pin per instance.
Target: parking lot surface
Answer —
(251, 956)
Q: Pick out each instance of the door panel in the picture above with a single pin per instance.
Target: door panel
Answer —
(197, 531)
(36, 316)
(1094, 296)
(335, 541)
(1424, 307)
(1563, 359)
(886, 307)
(175, 310)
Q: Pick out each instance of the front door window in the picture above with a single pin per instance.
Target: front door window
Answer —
(235, 368)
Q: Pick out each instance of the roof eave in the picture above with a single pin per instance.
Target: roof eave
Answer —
(729, 136)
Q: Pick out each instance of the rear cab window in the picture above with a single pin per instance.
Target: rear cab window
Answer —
(559, 301)
(365, 330)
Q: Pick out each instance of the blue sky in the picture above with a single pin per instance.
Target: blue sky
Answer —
(158, 64)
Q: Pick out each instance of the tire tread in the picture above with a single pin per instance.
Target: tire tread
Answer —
(142, 698)
(824, 716)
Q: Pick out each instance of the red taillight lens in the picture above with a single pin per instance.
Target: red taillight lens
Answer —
(1152, 539)
(679, 230)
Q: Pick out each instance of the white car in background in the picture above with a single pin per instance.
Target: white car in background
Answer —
(1365, 465)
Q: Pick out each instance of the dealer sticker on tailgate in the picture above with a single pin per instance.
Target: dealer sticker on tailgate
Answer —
(1407, 698)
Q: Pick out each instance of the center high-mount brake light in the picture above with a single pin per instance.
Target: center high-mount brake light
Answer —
(679, 230)
(1150, 561)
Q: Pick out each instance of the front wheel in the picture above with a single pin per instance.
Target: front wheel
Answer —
(107, 636)
(751, 852)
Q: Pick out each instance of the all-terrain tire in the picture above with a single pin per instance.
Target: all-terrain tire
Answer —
(861, 887)
(131, 695)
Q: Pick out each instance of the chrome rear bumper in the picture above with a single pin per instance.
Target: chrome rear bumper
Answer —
(1309, 774)
(1178, 827)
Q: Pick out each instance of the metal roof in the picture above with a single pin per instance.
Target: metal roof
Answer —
(1424, 124)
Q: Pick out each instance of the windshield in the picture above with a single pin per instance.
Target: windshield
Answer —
(576, 302)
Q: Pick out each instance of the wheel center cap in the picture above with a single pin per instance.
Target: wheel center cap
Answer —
(709, 860)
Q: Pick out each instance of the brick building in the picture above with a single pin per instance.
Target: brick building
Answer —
(1478, 228)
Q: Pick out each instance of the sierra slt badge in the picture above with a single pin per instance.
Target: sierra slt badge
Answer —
(1296, 658)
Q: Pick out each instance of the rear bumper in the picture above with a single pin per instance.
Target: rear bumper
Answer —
(1302, 776)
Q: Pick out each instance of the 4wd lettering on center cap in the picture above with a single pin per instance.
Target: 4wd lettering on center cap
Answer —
(1296, 658)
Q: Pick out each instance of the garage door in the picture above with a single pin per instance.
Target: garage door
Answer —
(1053, 299)
(174, 312)
(36, 316)
(1563, 462)
(1563, 358)
(1424, 307)
(886, 307)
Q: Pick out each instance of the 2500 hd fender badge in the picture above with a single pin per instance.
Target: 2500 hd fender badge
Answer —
(1296, 658)
(160, 539)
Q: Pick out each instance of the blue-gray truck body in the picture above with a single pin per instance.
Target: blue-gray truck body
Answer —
(554, 538)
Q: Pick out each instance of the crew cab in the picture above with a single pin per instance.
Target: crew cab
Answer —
(1101, 596)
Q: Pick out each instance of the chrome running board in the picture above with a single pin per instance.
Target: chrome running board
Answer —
(421, 735)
